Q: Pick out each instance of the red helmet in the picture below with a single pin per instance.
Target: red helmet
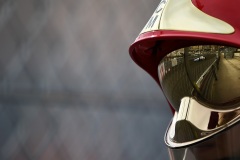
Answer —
(192, 49)
(185, 21)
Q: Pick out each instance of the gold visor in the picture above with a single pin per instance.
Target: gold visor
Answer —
(202, 83)
(210, 73)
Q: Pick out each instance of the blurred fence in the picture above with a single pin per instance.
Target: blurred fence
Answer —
(68, 88)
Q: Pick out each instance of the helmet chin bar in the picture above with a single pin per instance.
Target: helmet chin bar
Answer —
(195, 122)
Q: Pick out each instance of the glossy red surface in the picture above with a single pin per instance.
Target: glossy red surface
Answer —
(227, 11)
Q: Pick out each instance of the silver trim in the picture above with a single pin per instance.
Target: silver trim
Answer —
(190, 123)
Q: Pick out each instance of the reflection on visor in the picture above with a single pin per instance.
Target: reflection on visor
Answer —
(210, 73)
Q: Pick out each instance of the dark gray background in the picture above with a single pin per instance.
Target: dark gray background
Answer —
(68, 87)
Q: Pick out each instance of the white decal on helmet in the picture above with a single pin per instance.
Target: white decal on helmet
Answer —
(182, 15)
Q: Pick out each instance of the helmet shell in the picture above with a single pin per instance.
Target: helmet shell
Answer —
(153, 44)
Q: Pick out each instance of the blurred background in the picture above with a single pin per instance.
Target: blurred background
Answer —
(68, 87)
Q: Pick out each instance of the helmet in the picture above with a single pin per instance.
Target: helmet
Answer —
(192, 49)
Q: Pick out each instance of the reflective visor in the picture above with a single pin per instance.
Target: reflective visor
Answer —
(210, 73)
(203, 85)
